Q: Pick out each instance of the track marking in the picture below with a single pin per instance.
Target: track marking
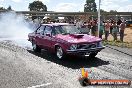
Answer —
(37, 86)
(119, 50)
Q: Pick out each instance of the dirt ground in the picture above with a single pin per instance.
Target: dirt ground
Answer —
(127, 37)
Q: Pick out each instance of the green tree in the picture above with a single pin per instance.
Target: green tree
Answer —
(101, 10)
(9, 8)
(37, 6)
(113, 11)
(90, 6)
(2, 8)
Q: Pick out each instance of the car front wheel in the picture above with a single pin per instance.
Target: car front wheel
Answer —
(59, 53)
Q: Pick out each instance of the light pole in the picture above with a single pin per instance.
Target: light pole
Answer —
(99, 17)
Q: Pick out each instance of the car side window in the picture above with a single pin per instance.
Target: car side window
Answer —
(47, 30)
(57, 30)
(40, 30)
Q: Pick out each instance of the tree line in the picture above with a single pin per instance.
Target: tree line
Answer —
(89, 6)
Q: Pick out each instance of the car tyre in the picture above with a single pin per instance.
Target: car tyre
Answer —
(36, 48)
(92, 55)
(60, 53)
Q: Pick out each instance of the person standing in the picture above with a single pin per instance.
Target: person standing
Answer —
(111, 26)
(107, 28)
(122, 28)
(118, 23)
(114, 31)
(79, 24)
(93, 27)
(89, 26)
(101, 30)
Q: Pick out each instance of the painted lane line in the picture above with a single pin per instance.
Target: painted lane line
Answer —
(37, 86)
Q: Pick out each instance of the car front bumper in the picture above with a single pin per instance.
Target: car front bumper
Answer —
(85, 51)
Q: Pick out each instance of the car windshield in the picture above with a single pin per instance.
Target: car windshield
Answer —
(66, 29)
(84, 30)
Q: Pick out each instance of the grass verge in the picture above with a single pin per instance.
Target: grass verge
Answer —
(118, 43)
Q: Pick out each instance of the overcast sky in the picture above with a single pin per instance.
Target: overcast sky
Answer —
(69, 5)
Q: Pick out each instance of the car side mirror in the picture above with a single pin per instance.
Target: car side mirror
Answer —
(48, 34)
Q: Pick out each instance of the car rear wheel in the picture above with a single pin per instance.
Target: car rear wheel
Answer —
(92, 55)
(59, 53)
(36, 48)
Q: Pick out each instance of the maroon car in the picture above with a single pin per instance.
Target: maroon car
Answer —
(64, 39)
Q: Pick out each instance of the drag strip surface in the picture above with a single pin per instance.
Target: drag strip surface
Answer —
(21, 68)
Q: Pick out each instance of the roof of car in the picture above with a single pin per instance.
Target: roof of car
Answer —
(57, 24)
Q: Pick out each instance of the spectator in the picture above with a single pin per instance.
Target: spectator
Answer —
(111, 25)
(118, 23)
(79, 24)
(89, 25)
(111, 28)
(84, 25)
(93, 28)
(114, 31)
(122, 28)
(107, 28)
(101, 30)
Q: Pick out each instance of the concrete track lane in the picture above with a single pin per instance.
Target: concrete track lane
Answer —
(20, 68)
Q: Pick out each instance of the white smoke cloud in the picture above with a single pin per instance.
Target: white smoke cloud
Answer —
(12, 25)
(16, 0)
(15, 28)
(1, 0)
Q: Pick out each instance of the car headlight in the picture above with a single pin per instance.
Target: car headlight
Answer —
(100, 44)
(73, 47)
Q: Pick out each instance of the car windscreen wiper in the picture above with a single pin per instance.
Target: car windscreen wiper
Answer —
(65, 33)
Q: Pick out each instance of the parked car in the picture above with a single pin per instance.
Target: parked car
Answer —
(128, 23)
(64, 39)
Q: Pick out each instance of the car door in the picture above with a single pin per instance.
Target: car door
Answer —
(47, 37)
(39, 35)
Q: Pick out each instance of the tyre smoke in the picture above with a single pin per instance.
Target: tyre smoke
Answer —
(15, 28)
